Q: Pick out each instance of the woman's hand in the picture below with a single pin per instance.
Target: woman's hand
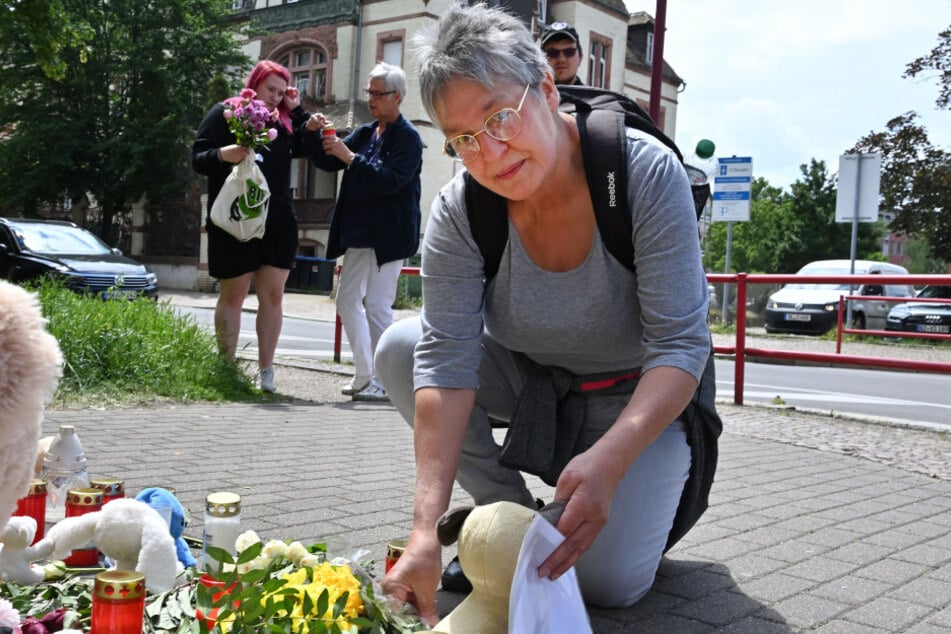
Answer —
(316, 122)
(234, 153)
(414, 577)
(291, 98)
(334, 146)
(587, 483)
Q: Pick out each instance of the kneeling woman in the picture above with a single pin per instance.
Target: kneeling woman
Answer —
(559, 311)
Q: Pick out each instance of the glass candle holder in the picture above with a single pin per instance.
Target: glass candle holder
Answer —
(218, 590)
(80, 502)
(222, 524)
(34, 505)
(118, 602)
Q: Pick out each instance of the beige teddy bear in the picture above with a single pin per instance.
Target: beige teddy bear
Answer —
(30, 368)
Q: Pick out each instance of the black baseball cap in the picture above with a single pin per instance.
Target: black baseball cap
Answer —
(559, 29)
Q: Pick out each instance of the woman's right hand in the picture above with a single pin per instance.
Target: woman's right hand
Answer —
(234, 153)
(316, 122)
(414, 577)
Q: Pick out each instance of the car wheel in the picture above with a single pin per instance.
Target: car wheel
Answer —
(858, 321)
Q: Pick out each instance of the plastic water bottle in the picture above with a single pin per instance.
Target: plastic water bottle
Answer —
(64, 468)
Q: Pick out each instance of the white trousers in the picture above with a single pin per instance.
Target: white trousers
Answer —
(620, 566)
(365, 296)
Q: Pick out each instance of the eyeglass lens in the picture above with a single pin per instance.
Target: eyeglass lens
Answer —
(504, 125)
(555, 53)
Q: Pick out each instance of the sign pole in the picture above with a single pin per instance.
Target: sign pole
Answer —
(726, 286)
(853, 248)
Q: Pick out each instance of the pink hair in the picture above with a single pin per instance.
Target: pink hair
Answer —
(258, 74)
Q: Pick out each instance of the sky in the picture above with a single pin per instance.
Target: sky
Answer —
(785, 82)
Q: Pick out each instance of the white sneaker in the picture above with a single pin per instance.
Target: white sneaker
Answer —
(264, 380)
(356, 384)
(372, 392)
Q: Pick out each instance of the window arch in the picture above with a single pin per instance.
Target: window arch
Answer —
(308, 68)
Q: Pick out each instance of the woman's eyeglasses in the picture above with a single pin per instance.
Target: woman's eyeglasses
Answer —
(555, 53)
(378, 94)
(504, 125)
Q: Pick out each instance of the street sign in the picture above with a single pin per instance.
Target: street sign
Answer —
(856, 198)
(731, 189)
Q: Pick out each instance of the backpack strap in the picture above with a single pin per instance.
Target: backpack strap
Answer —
(604, 149)
(488, 216)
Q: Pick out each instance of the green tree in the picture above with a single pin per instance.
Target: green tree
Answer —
(916, 181)
(939, 61)
(787, 230)
(119, 123)
(920, 259)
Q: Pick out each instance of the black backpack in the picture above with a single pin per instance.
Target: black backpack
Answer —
(602, 116)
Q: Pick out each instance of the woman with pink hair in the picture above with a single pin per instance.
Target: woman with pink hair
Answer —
(270, 258)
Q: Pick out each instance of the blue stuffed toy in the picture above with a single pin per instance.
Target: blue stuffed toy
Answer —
(157, 497)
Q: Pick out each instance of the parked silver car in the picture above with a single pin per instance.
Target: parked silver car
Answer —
(813, 308)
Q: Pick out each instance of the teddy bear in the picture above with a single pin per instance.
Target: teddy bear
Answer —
(30, 369)
(490, 540)
(129, 532)
(157, 496)
(16, 553)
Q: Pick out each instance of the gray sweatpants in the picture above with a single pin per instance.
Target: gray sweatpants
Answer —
(619, 567)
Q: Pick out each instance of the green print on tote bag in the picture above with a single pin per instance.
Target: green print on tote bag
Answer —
(241, 206)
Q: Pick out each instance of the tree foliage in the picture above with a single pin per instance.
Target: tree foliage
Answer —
(939, 61)
(916, 181)
(787, 230)
(118, 123)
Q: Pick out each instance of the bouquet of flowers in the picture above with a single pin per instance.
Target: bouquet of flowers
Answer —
(271, 586)
(248, 120)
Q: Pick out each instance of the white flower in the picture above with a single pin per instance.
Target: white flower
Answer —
(9, 617)
(311, 560)
(274, 549)
(246, 540)
(296, 552)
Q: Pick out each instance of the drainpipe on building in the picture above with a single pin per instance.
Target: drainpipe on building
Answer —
(356, 64)
(657, 64)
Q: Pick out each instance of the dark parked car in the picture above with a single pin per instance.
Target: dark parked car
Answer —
(924, 317)
(30, 249)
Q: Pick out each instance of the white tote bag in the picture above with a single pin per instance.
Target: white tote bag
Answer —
(241, 206)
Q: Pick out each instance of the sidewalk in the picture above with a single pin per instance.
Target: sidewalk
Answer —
(796, 539)
(802, 533)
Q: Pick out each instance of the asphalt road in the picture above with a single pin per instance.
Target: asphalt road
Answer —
(904, 396)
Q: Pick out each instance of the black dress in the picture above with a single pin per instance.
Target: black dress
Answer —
(229, 257)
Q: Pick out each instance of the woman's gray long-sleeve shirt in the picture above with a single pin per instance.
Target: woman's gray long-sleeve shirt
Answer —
(598, 317)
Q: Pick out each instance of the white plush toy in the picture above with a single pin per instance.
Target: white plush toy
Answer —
(129, 532)
(17, 555)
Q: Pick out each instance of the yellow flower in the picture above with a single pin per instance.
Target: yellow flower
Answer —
(336, 580)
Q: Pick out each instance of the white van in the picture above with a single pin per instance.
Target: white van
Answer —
(813, 308)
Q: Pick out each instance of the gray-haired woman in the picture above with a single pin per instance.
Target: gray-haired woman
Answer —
(559, 302)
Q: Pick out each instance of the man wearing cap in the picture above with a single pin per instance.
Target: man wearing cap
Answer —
(560, 43)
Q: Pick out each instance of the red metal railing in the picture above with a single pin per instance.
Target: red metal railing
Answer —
(740, 352)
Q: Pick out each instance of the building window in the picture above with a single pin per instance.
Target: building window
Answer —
(599, 62)
(389, 47)
(308, 68)
(540, 13)
(649, 53)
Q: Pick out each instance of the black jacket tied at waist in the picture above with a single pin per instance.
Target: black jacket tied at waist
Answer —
(545, 430)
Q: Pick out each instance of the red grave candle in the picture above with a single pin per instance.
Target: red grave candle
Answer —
(34, 505)
(80, 502)
(118, 602)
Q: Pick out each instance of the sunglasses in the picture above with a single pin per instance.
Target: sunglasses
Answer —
(555, 53)
(504, 125)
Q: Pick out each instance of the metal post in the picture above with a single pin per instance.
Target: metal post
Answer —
(657, 65)
(726, 286)
(853, 248)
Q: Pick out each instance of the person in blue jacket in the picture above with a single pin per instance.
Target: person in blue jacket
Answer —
(376, 220)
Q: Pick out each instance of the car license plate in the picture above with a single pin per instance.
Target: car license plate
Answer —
(934, 328)
(798, 317)
(119, 294)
